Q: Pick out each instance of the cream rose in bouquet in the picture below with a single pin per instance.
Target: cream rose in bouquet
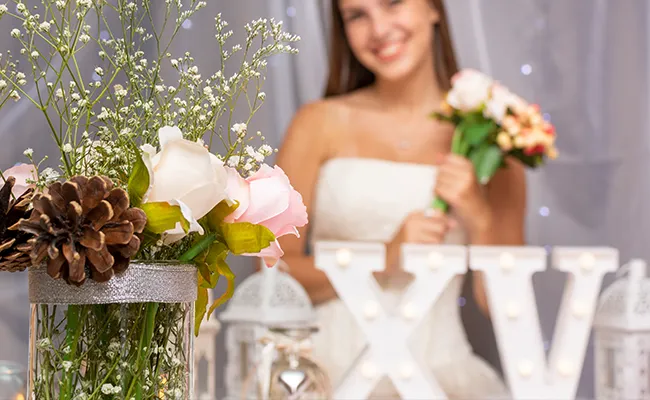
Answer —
(492, 123)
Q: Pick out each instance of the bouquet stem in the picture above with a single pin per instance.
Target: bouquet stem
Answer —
(440, 204)
(459, 147)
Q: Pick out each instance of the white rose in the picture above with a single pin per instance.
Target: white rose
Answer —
(500, 101)
(186, 174)
(470, 90)
(497, 106)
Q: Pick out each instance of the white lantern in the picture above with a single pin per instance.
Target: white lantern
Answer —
(267, 299)
(205, 352)
(622, 337)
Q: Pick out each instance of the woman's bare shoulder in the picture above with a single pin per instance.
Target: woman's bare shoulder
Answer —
(331, 110)
(324, 118)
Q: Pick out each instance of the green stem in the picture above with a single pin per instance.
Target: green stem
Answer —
(457, 147)
(198, 248)
(144, 349)
(72, 329)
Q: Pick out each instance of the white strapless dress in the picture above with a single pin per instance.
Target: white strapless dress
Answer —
(361, 199)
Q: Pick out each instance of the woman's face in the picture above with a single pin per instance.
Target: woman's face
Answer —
(390, 37)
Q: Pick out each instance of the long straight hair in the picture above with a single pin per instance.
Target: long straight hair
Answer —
(347, 74)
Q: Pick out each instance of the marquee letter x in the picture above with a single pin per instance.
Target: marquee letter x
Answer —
(349, 267)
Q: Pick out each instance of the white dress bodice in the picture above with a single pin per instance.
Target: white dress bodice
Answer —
(361, 199)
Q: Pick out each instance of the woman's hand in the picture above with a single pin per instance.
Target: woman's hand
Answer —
(424, 227)
(457, 185)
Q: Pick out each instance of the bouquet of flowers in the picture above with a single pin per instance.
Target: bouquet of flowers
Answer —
(491, 123)
(151, 183)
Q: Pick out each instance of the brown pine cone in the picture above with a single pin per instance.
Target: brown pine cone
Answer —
(84, 226)
(14, 246)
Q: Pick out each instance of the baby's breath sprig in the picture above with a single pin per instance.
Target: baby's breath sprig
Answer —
(100, 121)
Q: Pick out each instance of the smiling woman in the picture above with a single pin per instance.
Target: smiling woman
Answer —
(368, 159)
(387, 41)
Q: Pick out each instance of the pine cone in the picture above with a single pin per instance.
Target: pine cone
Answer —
(14, 246)
(84, 226)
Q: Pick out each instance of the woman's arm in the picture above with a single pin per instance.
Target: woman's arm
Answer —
(305, 148)
(506, 194)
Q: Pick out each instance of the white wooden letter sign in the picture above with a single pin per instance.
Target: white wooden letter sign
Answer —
(508, 272)
(349, 267)
(508, 278)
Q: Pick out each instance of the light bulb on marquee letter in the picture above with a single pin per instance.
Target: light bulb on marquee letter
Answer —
(578, 309)
(525, 368)
(513, 310)
(587, 261)
(435, 260)
(408, 311)
(406, 371)
(371, 310)
(507, 261)
(343, 257)
(565, 368)
(368, 370)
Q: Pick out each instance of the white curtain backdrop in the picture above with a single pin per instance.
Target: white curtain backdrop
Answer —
(585, 61)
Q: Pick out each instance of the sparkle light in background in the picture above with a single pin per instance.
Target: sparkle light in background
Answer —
(291, 11)
(526, 69)
(544, 211)
(187, 24)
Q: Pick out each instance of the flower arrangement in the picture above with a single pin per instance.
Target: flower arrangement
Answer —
(492, 123)
(149, 172)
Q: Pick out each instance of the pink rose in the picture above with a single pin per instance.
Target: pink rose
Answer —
(22, 173)
(267, 198)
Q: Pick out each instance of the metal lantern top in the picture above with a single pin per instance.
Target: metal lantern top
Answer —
(272, 298)
(625, 304)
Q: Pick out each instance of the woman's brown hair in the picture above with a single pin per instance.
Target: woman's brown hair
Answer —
(347, 74)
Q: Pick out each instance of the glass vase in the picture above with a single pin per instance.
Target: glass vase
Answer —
(294, 375)
(128, 338)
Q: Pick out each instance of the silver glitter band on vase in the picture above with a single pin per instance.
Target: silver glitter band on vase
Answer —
(140, 283)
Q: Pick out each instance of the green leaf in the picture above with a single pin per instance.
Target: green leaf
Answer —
(204, 268)
(200, 307)
(244, 237)
(216, 216)
(162, 216)
(487, 162)
(224, 270)
(477, 153)
(138, 182)
(208, 263)
(477, 133)
(212, 283)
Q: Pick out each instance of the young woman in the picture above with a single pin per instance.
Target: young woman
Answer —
(368, 160)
